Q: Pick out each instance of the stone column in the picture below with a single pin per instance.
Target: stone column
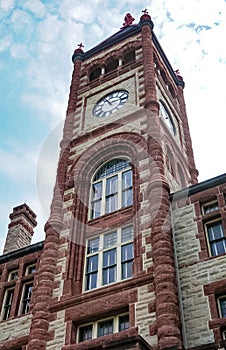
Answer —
(44, 289)
(187, 136)
(167, 309)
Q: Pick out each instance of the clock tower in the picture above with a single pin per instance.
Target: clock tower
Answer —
(107, 274)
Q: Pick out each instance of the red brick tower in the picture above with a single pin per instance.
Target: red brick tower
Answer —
(107, 276)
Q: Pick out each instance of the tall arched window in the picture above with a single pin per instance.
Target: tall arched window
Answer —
(111, 187)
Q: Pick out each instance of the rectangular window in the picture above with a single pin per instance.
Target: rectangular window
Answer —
(111, 194)
(30, 269)
(8, 303)
(109, 258)
(91, 273)
(105, 327)
(27, 291)
(13, 275)
(216, 237)
(127, 189)
(210, 207)
(222, 306)
(123, 322)
(96, 199)
(109, 266)
(102, 328)
(85, 332)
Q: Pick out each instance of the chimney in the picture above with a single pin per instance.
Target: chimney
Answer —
(21, 228)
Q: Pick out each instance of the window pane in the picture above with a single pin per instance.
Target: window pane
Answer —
(208, 208)
(127, 269)
(127, 234)
(26, 298)
(215, 231)
(218, 247)
(111, 203)
(112, 167)
(127, 179)
(96, 209)
(91, 281)
(109, 266)
(92, 263)
(110, 239)
(97, 191)
(127, 198)
(93, 245)
(85, 333)
(109, 258)
(223, 307)
(105, 328)
(8, 303)
(123, 322)
(112, 185)
(127, 252)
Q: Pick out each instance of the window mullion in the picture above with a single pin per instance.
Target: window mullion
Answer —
(103, 201)
(100, 263)
(120, 190)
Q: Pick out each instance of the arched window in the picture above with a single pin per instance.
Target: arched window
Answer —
(94, 73)
(181, 175)
(111, 65)
(129, 56)
(167, 118)
(170, 161)
(111, 187)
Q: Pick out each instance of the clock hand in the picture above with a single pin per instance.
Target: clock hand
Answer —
(109, 102)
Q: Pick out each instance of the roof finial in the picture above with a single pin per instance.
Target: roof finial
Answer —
(145, 11)
(80, 46)
(128, 20)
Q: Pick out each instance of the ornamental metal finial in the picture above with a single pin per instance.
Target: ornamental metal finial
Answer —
(128, 20)
(145, 12)
(80, 46)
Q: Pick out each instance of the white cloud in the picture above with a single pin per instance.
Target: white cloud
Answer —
(5, 42)
(36, 7)
(19, 51)
(6, 5)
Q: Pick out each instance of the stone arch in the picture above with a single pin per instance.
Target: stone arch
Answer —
(94, 72)
(111, 64)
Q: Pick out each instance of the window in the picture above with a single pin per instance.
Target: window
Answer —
(103, 327)
(13, 275)
(111, 188)
(210, 207)
(30, 269)
(216, 238)
(26, 297)
(85, 332)
(7, 303)
(111, 65)
(21, 301)
(222, 306)
(95, 73)
(109, 258)
(129, 57)
(167, 118)
(123, 322)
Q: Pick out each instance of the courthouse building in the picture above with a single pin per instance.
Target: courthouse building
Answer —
(134, 255)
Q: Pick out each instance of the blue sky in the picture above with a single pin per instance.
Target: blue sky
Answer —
(37, 39)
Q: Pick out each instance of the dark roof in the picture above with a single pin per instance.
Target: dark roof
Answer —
(199, 187)
(21, 252)
(121, 35)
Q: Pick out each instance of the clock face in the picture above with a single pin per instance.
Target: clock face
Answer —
(110, 103)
